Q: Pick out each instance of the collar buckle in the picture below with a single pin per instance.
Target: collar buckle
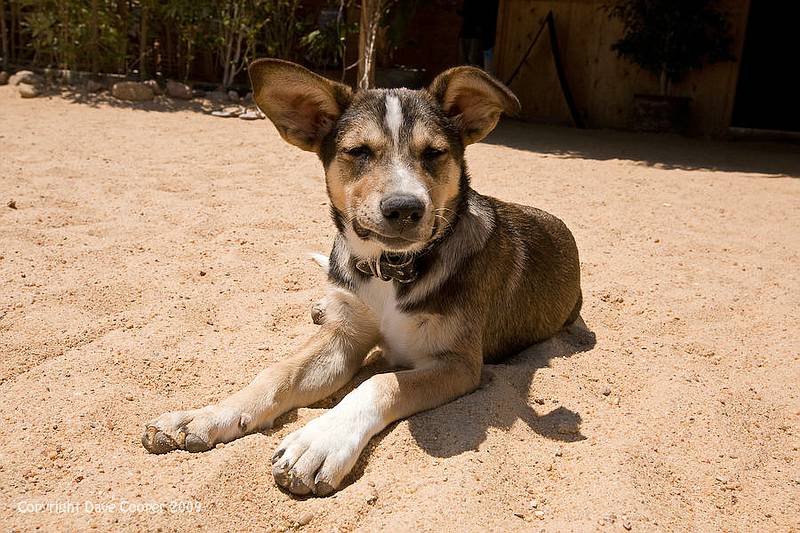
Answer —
(390, 267)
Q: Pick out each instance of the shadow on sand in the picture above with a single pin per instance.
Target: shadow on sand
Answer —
(502, 398)
(774, 159)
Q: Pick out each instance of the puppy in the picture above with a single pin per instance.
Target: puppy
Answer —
(440, 277)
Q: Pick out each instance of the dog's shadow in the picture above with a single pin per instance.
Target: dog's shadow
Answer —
(503, 397)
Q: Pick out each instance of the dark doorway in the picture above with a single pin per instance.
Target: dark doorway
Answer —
(767, 95)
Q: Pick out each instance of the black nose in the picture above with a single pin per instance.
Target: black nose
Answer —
(402, 209)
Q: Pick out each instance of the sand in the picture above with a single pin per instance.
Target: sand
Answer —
(154, 261)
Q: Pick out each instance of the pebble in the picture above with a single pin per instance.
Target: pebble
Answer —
(626, 525)
(606, 391)
(129, 398)
(539, 514)
(519, 515)
(533, 504)
(559, 452)
(305, 519)
(12, 204)
(27, 90)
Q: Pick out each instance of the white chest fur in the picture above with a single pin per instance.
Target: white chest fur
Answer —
(407, 339)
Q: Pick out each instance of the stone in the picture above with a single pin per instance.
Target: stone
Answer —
(217, 96)
(94, 86)
(3, 77)
(153, 84)
(178, 90)
(25, 76)
(27, 91)
(132, 91)
(233, 96)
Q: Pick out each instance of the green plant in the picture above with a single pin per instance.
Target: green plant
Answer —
(326, 45)
(671, 37)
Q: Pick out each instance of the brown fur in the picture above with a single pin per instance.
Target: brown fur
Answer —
(490, 277)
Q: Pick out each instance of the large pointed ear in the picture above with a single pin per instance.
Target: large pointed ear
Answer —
(474, 99)
(303, 106)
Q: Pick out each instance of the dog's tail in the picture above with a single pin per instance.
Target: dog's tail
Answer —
(321, 260)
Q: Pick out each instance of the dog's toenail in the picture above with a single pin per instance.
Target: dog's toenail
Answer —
(297, 485)
(277, 455)
(323, 488)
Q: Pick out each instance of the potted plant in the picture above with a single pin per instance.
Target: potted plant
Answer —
(669, 38)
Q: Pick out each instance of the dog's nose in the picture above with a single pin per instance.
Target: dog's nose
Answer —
(402, 209)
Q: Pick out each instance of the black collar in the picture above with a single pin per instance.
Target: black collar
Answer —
(401, 268)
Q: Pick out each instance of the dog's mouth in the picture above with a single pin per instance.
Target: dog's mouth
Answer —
(392, 243)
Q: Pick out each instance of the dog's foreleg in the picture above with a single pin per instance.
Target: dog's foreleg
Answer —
(318, 456)
(328, 361)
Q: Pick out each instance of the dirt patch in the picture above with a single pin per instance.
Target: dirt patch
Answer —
(684, 415)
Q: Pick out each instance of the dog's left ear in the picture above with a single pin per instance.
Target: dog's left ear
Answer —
(303, 106)
(474, 99)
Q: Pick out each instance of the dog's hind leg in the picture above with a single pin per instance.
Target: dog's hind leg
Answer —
(326, 363)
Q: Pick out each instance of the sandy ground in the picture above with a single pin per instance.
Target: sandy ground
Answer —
(154, 262)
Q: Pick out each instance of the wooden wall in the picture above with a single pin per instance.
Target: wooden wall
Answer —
(602, 84)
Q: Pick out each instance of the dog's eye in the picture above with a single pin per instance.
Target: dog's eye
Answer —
(358, 152)
(432, 153)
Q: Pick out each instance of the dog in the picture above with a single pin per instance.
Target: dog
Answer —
(441, 278)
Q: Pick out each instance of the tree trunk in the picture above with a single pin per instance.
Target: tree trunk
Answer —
(4, 32)
(663, 82)
(143, 44)
(94, 35)
(122, 11)
(367, 40)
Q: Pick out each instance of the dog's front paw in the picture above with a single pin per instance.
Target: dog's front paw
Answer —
(197, 430)
(315, 458)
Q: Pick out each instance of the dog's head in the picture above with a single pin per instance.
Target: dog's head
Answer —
(394, 159)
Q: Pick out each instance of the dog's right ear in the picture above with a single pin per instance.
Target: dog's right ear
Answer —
(303, 106)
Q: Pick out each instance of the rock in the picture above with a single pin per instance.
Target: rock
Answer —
(626, 525)
(305, 519)
(27, 90)
(3, 77)
(539, 514)
(94, 86)
(217, 96)
(25, 76)
(132, 91)
(153, 84)
(252, 115)
(12, 204)
(233, 96)
(606, 391)
(178, 90)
